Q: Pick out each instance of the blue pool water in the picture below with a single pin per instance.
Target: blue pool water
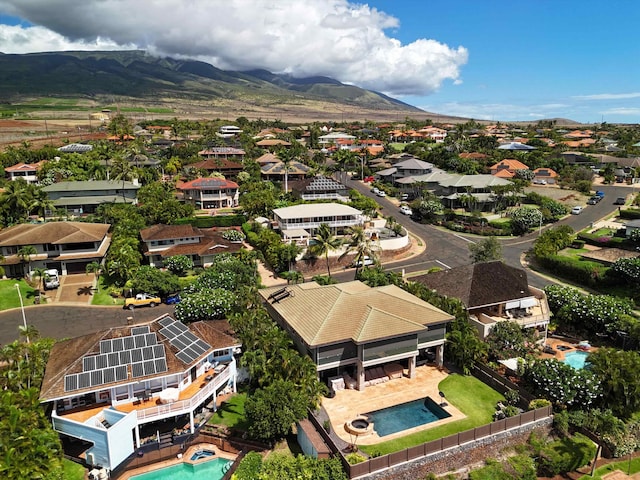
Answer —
(406, 415)
(202, 454)
(577, 360)
(211, 470)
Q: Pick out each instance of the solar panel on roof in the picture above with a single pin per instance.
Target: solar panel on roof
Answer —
(70, 383)
(101, 361)
(125, 357)
(121, 373)
(151, 339)
(184, 357)
(161, 365)
(173, 330)
(117, 344)
(89, 363)
(137, 370)
(147, 353)
(191, 352)
(96, 378)
(166, 321)
(158, 351)
(140, 330)
(105, 346)
(149, 367)
(180, 345)
(129, 343)
(84, 380)
(109, 375)
(190, 337)
(181, 326)
(203, 345)
(140, 341)
(113, 359)
(136, 355)
(197, 348)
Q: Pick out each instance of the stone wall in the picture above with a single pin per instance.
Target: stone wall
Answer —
(460, 458)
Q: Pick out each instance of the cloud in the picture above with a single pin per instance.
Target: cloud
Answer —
(622, 111)
(336, 38)
(497, 111)
(608, 96)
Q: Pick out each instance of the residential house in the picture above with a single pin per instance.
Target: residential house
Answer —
(75, 148)
(353, 331)
(507, 168)
(492, 292)
(332, 138)
(299, 222)
(228, 131)
(545, 175)
(66, 246)
(273, 143)
(109, 388)
(83, 197)
(319, 188)
(210, 192)
(200, 245)
(276, 170)
(226, 153)
(228, 168)
(406, 168)
(631, 226)
(458, 191)
(26, 171)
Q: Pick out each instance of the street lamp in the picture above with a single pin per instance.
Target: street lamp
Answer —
(24, 318)
(540, 225)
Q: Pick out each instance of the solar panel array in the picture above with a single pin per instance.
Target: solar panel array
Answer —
(189, 347)
(324, 183)
(140, 350)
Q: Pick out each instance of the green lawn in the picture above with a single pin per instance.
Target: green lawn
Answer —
(611, 467)
(469, 395)
(9, 295)
(231, 413)
(103, 297)
(72, 470)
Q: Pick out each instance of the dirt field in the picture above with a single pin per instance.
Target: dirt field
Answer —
(568, 197)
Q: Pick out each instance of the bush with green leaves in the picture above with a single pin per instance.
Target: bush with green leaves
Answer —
(538, 403)
(277, 465)
(563, 385)
(179, 264)
(552, 240)
(233, 235)
(147, 279)
(518, 467)
(205, 304)
(627, 268)
(565, 455)
(524, 219)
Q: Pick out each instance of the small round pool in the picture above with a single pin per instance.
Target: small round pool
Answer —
(359, 426)
(577, 359)
(199, 455)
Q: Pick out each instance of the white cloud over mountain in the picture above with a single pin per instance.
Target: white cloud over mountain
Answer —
(336, 38)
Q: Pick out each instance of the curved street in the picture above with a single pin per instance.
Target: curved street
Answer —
(444, 249)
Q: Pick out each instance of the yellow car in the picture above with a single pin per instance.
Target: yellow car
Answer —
(142, 300)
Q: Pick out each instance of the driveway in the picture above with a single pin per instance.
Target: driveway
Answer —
(77, 288)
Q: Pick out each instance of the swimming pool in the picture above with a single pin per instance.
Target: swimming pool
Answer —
(577, 360)
(200, 454)
(212, 469)
(406, 415)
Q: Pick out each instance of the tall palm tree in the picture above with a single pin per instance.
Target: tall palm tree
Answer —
(25, 253)
(16, 199)
(40, 203)
(39, 273)
(362, 245)
(122, 170)
(96, 269)
(286, 156)
(325, 242)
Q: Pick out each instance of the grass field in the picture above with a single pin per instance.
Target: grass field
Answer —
(624, 466)
(231, 413)
(73, 471)
(9, 295)
(469, 395)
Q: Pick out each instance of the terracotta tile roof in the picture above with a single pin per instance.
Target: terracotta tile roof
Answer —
(504, 173)
(56, 233)
(479, 284)
(66, 356)
(169, 232)
(473, 155)
(208, 183)
(272, 142)
(353, 311)
(510, 164)
(545, 172)
(25, 167)
(267, 158)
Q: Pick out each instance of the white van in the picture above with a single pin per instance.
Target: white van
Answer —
(51, 279)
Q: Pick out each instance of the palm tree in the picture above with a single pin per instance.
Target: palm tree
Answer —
(39, 273)
(122, 170)
(40, 203)
(25, 254)
(362, 245)
(96, 269)
(324, 243)
(16, 199)
(286, 156)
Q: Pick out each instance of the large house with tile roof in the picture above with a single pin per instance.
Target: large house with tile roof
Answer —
(83, 197)
(354, 331)
(492, 292)
(66, 246)
(319, 188)
(507, 168)
(26, 171)
(108, 387)
(226, 153)
(210, 192)
(200, 245)
(228, 168)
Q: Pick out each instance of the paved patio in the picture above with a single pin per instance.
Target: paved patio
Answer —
(348, 404)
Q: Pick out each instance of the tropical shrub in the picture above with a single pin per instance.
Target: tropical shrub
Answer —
(233, 235)
(205, 304)
(179, 264)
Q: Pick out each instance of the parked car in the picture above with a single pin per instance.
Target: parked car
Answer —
(539, 181)
(51, 279)
(594, 200)
(381, 193)
(366, 261)
(577, 210)
(173, 299)
(406, 210)
(375, 190)
(620, 201)
(404, 197)
(142, 300)
(600, 194)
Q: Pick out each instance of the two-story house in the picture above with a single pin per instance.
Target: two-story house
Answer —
(110, 389)
(469, 191)
(220, 153)
(301, 221)
(26, 171)
(507, 168)
(493, 292)
(200, 245)
(205, 193)
(228, 168)
(83, 197)
(404, 169)
(319, 188)
(355, 332)
(66, 246)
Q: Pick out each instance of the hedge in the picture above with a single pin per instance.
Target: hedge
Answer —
(214, 221)
(580, 271)
(606, 241)
(630, 213)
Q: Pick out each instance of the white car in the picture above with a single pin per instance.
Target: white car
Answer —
(366, 261)
(406, 210)
(577, 210)
(375, 190)
(381, 193)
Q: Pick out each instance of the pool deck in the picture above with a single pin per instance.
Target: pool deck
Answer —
(349, 404)
(186, 458)
(560, 354)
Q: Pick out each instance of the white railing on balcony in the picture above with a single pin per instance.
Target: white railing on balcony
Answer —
(185, 406)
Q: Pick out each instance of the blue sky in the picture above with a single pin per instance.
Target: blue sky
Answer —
(494, 59)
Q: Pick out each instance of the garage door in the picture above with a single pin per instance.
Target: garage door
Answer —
(78, 267)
